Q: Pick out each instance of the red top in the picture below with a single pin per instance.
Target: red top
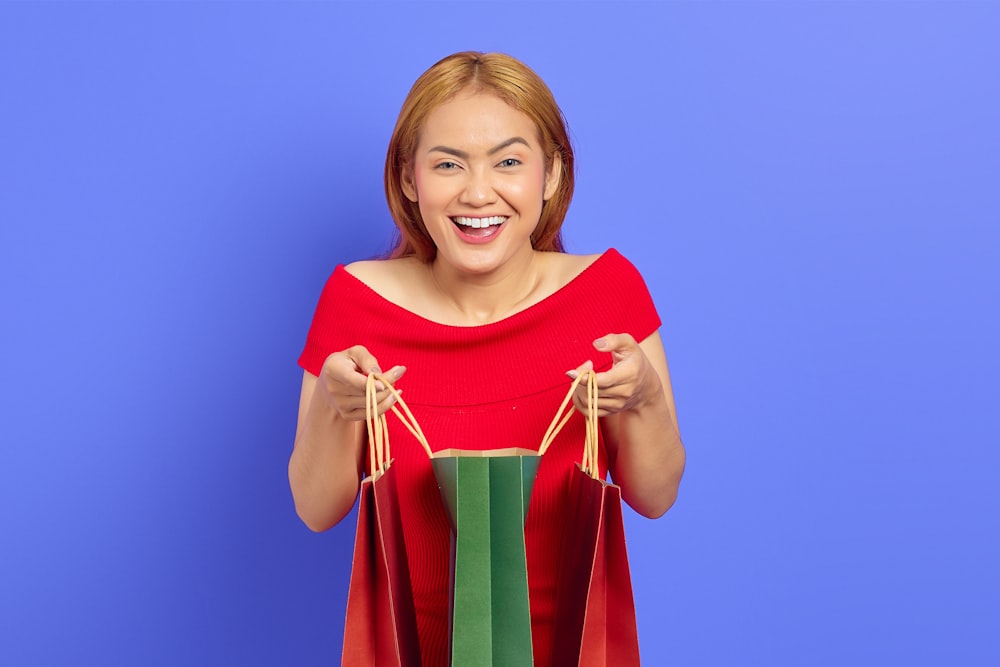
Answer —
(484, 387)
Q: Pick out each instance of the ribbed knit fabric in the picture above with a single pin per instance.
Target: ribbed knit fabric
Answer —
(484, 387)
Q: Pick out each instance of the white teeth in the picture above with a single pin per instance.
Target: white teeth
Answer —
(479, 223)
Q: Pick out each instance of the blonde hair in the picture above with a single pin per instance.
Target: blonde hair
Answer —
(514, 83)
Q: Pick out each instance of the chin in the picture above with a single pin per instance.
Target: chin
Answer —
(481, 261)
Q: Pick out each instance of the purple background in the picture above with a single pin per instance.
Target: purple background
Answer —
(810, 189)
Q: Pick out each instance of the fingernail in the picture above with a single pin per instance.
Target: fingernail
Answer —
(400, 371)
(600, 344)
(572, 374)
(376, 369)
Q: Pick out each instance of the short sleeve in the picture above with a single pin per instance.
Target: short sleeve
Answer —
(324, 334)
(629, 295)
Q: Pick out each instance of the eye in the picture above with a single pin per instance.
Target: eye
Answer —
(446, 166)
(509, 162)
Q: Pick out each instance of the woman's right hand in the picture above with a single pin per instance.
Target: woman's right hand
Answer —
(341, 382)
(327, 462)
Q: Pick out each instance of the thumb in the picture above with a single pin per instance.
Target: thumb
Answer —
(365, 362)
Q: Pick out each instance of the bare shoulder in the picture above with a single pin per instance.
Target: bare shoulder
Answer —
(380, 271)
(565, 267)
(393, 279)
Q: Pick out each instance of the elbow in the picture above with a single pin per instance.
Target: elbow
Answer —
(313, 522)
(323, 518)
(652, 498)
(655, 499)
(320, 506)
(654, 508)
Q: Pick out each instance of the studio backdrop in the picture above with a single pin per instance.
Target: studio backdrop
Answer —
(809, 189)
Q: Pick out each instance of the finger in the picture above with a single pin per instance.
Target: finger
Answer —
(384, 405)
(347, 367)
(606, 405)
(580, 403)
(610, 405)
(364, 361)
(356, 408)
(585, 366)
(351, 398)
(341, 371)
(353, 415)
(603, 409)
(392, 376)
(620, 345)
(617, 376)
(350, 404)
(386, 393)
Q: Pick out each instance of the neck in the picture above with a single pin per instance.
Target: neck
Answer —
(488, 297)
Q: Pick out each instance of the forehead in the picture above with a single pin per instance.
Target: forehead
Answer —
(475, 119)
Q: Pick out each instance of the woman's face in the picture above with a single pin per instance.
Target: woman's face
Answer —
(479, 178)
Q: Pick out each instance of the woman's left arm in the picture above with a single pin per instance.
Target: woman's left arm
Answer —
(639, 423)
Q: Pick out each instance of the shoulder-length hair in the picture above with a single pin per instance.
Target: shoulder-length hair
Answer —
(514, 83)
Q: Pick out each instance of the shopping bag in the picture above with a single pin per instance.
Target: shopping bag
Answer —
(486, 496)
(380, 629)
(595, 622)
(595, 617)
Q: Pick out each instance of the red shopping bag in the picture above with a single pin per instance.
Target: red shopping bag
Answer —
(380, 629)
(595, 613)
(595, 621)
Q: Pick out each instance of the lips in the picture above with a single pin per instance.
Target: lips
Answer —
(479, 223)
(480, 227)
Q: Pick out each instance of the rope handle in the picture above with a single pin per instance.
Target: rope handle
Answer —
(565, 411)
(379, 453)
(378, 429)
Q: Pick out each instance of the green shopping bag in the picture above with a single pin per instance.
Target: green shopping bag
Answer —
(486, 495)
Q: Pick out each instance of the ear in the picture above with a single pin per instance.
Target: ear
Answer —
(553, 176)
(408, 184)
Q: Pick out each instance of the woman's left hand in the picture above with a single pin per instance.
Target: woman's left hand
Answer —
(630, 383)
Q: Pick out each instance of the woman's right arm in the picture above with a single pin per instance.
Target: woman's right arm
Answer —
(325, 468)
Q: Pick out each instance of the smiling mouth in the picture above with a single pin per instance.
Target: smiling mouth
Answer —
(479, 226)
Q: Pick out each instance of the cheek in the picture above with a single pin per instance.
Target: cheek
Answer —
(418, 183)
(533, 186)
(530, 185)
(427, 193)
(431, 187)
(540, 175)
(432, 200)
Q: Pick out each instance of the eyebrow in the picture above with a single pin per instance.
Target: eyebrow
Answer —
(496, 149)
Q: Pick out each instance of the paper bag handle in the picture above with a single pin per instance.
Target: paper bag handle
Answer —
(378, 430)
(379, 453)
(589, 462)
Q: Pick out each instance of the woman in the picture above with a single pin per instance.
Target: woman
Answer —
(480, 302)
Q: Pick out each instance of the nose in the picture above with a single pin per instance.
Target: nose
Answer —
(478, 190)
